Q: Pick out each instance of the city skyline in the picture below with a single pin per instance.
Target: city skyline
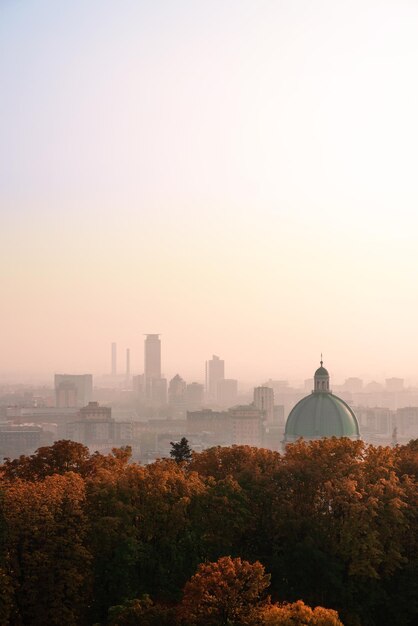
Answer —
(238, 176)
(198, 374)
(208, 324)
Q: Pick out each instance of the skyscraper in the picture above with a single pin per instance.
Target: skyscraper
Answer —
(227, 392)
(215, 371)
(155, 387)
(128, 363)
(194, 396)
(177, 396)
(177, 391)
(264, 401)
(152, 357)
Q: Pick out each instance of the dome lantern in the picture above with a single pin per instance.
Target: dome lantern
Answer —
(321, 379)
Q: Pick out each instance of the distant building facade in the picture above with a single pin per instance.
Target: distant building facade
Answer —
(407, 421)
(216, 424)
(17, 439)
(215, 371)
(246, 425)
(227, 392)
(96, 428)
(194, 396)
(264, 401)
(73, 390)
(177, 395)
(394, 384)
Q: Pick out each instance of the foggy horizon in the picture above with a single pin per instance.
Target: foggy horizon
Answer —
(238, 176)
(172, 366)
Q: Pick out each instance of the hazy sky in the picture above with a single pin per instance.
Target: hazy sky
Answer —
(238, 175)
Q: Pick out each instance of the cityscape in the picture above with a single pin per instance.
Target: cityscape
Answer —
(147, 412)
(208, 316)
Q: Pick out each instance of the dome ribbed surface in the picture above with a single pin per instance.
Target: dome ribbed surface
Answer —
(321, 415)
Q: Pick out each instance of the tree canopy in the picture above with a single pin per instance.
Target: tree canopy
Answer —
(97, 539)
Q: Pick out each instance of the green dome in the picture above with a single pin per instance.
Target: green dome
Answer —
(321, 415)
(321, 371)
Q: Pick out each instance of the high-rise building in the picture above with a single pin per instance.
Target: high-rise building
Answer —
(93, 411)
(96, 427)
(194, 396)
(264, 401)
(114, 357)
(177, 391)
(353, 384)
(154, 386)
(73, 390)
(128, 363)
(156, 392)
(152, 357)
(227, 392)
(177, 396)
(246, 425)
(394, 384)
(215, 371)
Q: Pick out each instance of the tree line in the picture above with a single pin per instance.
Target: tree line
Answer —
(96, 539)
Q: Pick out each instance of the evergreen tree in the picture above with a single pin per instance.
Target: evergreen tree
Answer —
(181, 451)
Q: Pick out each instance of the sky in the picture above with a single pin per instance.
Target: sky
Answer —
(237, 175)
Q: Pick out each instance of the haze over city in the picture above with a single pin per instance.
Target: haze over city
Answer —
(238, 176)
(208, 330)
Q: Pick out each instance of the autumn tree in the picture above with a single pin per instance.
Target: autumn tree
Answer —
(245, 464)
(229, 591)
(6, 576)
(63, 456)
(223, 515)
(406, 459)
(142, 532)
(47, 558)
(298, 614)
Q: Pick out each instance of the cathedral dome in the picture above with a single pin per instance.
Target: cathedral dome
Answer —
(321, 371)
(322, 414)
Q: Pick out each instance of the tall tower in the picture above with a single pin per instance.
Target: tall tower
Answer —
(152, 357)
(215, 371)
(128, 363)
(113, 368)
(264, 401)
(154, 386)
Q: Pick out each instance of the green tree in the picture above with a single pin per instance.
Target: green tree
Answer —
(181, 451)
(141, 611)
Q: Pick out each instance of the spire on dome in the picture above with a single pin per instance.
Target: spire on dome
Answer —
(321, 378)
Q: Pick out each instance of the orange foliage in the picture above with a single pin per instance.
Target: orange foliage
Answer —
(229, 591)
(298, 614)
(46, 556)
